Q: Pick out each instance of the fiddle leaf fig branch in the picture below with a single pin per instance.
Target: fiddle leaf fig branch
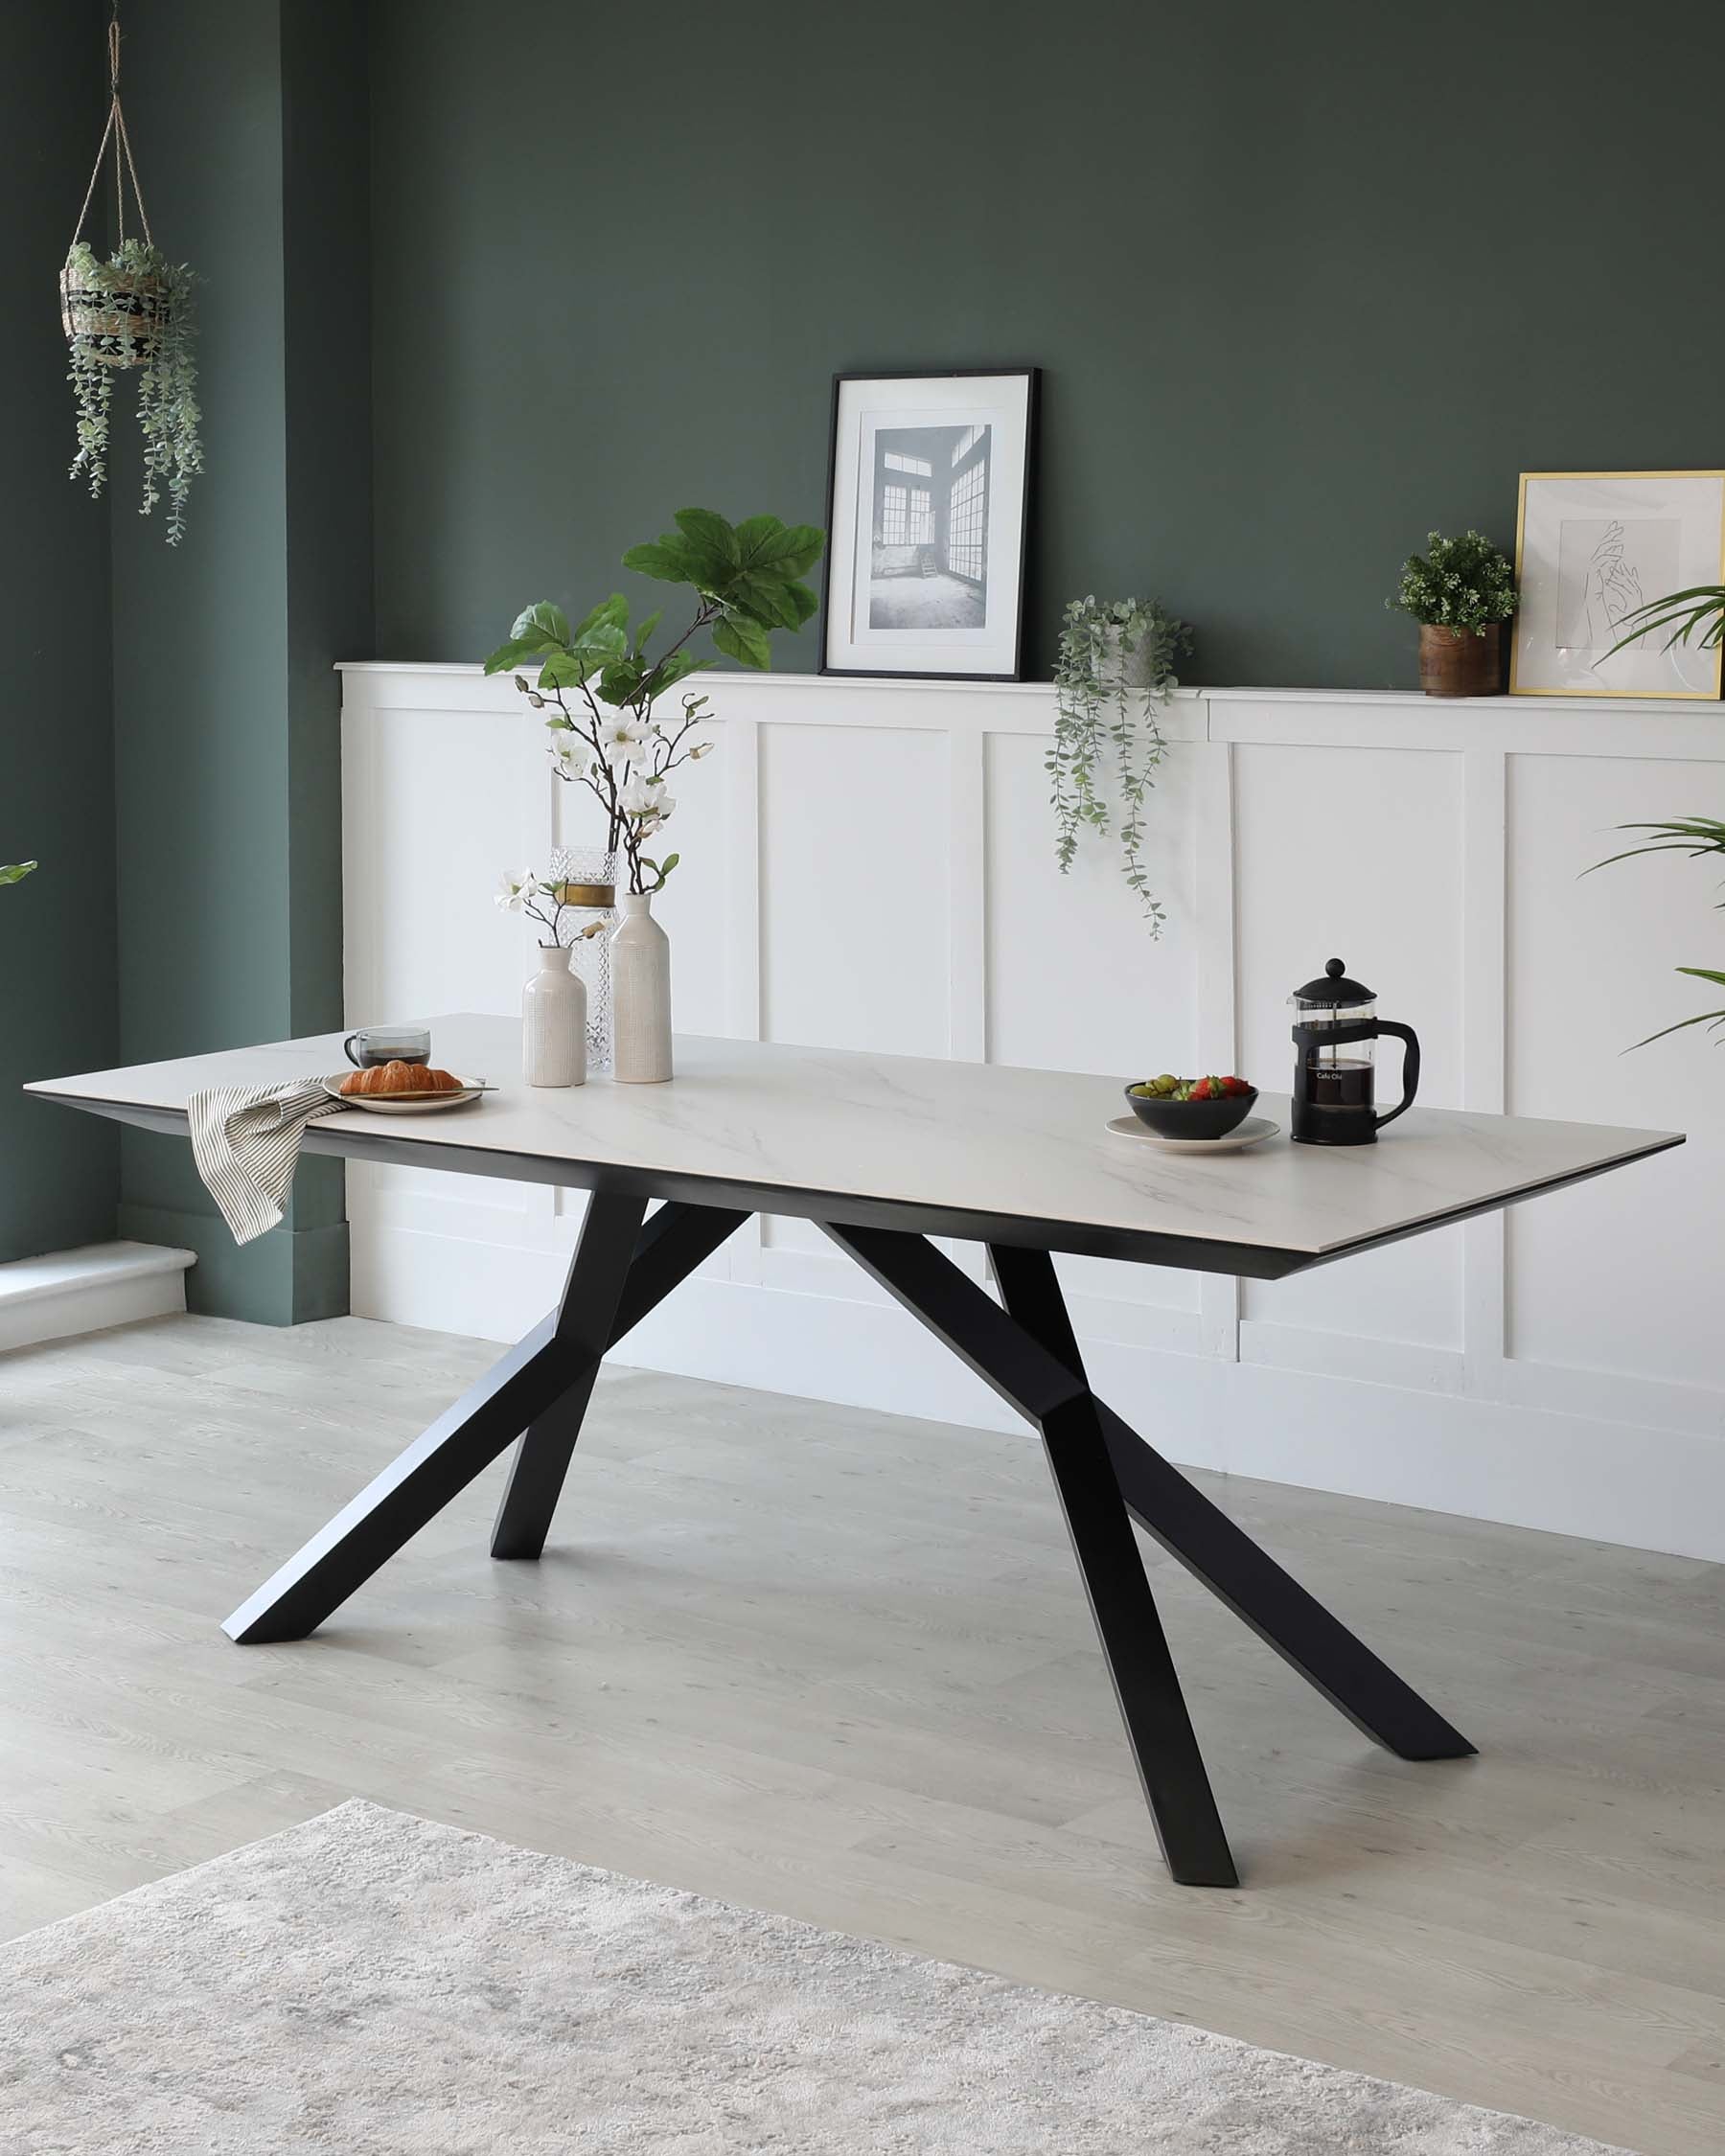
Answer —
(1113, 674)
(747, 581)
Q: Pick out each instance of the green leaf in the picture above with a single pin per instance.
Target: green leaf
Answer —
(753, 534)
(793, 552)
(765, 599)
(546, 622)
(619, 683)
(1701, 1017)
(1689, 609)
(739, 638)
(606, 642)
(609, 613)
(670, 559)
(516, 652)
(712, 539)
(674, 667)
(803, 600)
(14, 872)
(565, 670)
(646, 629)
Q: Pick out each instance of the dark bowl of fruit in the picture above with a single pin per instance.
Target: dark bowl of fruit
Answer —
(1191, 1108)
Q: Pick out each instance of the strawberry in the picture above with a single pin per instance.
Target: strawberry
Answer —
(1201, 1090)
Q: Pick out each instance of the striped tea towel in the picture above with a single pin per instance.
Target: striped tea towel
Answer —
(245, 1141)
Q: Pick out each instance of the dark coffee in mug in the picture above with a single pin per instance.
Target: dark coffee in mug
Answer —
(374, 1045)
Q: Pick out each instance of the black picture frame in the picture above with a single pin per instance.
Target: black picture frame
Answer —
(1032, 379)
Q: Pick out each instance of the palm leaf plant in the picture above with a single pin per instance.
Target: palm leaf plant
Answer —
(1702, 608)
(1694, 836)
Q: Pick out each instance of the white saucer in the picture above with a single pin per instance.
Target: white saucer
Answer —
(1253, 1130)
(409, 1104)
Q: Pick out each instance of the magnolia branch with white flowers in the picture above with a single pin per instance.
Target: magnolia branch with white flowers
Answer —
(524, 890)
(745, 577)
(624, 758)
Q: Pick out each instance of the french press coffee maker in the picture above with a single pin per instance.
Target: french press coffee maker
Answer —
(1334, 1095)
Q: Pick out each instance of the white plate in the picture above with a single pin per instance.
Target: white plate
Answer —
(1253, 1130)
(384, 1104)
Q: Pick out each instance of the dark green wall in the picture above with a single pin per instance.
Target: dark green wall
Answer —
(57, 786)
(1305, 280)
(250, 123)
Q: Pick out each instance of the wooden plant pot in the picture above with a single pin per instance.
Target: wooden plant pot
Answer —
(118, 324)
(1461, 666)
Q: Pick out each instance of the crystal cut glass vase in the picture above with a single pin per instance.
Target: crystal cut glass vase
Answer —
(585, 878)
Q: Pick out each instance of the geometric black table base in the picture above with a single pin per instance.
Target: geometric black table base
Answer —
(1106, 1477)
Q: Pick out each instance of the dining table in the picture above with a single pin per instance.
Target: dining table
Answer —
(891, 1155)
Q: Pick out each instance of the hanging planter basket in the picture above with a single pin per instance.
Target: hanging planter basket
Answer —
(113, 316)
(133, 309)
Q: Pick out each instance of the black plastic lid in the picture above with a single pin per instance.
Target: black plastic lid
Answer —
(1335, 991)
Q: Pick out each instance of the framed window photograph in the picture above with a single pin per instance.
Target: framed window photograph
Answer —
(1590, 547)
(928, 515)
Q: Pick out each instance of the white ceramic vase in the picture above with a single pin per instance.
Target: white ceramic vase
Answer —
(641, 994)
(554, 1023)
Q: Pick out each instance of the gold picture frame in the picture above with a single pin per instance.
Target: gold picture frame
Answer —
(1587, 546)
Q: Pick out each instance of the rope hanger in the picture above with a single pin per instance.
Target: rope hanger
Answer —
(115, 132)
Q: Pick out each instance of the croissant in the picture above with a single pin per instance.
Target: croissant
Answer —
(399, 1078)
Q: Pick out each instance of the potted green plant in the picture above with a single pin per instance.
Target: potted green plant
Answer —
(133, 309)
(1461, 591)
(1114, 673)
(747, 581)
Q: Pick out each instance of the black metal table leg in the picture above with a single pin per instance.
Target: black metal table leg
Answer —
(1244, 1576)
(1006, 1349)
(672, 1243)
(1175, 1513)
(511, 1397)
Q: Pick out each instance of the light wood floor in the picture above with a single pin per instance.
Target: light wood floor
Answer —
(838, 1664)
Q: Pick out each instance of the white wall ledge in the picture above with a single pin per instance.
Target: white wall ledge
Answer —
(1659, 729)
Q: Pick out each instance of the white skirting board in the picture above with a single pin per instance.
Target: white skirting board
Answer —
(1442, 1451)
(84, 1289)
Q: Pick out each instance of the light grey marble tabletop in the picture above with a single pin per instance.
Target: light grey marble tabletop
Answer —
(943, 1136)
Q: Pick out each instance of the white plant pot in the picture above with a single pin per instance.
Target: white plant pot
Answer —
(641, 994)
(1133, 668)
(554, 1023)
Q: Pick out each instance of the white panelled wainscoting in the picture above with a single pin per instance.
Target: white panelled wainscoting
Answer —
(868, 865)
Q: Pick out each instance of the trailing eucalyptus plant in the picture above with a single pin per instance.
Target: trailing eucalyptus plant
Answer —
(136, 311)
(746, 582)
(1113, 674)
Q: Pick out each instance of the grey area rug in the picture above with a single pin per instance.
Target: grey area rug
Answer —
(372, 1983)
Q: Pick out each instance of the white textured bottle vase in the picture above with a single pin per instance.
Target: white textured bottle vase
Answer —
(554, 1023)
(641, 994)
